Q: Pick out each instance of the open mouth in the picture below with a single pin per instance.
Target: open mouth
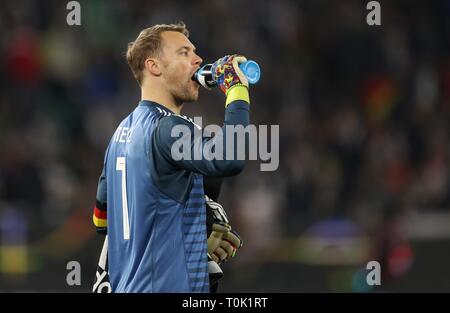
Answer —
(192, 74)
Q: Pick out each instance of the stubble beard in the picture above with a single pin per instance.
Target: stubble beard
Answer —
(185, 93)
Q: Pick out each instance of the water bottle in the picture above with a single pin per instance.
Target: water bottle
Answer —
(203, 75)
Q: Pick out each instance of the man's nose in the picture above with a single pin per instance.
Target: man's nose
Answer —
(197, 60)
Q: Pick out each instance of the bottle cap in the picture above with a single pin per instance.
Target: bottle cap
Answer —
(252, 71)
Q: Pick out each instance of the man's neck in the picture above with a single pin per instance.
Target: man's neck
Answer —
(164, 100)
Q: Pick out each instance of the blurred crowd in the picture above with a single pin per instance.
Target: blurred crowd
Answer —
(363, 110)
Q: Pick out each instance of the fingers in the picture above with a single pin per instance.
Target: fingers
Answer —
(215, 258)
(233, 238)
(225, 250)
(228, 248)
(221, 228)
(216, 237)
(213, 243)
(221, 254)
(238, 59)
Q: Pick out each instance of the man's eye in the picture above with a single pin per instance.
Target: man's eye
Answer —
(184, 53)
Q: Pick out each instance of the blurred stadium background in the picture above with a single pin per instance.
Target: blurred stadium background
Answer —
(364, 138)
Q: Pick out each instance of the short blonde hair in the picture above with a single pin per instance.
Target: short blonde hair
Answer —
(148, 44)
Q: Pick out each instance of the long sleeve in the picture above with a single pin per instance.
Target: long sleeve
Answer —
(197, 143)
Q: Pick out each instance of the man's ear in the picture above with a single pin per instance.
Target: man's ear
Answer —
(152, 66)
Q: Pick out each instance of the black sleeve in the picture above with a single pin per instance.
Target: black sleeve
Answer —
(212, 186)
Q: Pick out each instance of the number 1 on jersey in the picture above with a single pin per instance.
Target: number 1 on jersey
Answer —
(121, 166)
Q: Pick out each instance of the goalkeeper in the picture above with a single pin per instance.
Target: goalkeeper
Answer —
(154, 201)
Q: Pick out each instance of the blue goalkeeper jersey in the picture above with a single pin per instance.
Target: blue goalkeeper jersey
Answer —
(153, 206)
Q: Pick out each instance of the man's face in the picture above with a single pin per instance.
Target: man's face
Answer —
(179, 64)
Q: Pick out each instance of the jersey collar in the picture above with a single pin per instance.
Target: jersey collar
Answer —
(151, 104)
